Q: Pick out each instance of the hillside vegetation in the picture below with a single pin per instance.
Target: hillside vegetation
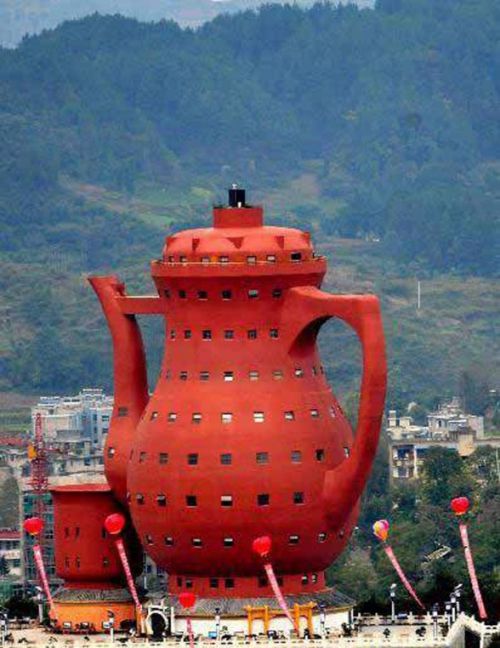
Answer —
(377, 130)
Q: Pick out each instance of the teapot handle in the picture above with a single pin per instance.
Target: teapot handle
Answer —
(344, 484)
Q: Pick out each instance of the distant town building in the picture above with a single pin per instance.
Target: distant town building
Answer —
(10, 552)
(448, 427)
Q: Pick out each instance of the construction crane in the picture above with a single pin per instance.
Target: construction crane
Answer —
(39, 480)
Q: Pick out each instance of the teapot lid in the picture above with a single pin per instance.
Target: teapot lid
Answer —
(238, 235)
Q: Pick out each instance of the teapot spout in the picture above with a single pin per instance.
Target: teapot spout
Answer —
(130, 381)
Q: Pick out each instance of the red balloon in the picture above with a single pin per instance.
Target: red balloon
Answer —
(262, 546)
(187, 599)
(33, 525)
(114, 523)
(460, 505)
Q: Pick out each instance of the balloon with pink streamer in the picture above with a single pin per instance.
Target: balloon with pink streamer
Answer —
(460, 506)
(262, 547)
(114, 525)
(381, 530)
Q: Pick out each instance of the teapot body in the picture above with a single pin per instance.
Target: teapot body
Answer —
(242, 435)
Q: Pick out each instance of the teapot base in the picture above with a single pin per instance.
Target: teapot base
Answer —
(245, 586)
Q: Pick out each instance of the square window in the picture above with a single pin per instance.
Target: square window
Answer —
(142, 457)
(289, 415)
(228, 542)
(214, 583)
(226, 459)
(252, 334)
(187, 334)
(166, 294)
(251, 260)
(196, 418)
(305, 579)
(191, 500)
(274, 334)
(163, 458)
(320, 454)
(170, 259)
(296, 456)
(253, 375)
(205, 260)
(167, 374)
(169, 541)
(122, 411)
(172, 416)
(192, 459)
(322, 537)
(223, 259)
(228, 376)
(262, 457)
(172, 334)
(296, 256)
(258, 417)
(206, 334)
(139, 498)
(226, 500)
(111, 452)
(263, 499)
(202, 294)
(189, 583)
(314, 371)
(226, 417)
(299, 373)
(314, 578)
(253, 293)
(154, 415)
(271, 258)
(149, 539)
(347, 451)
(182, 294)
(298, 497)
(226, 294)
(204, 375)
(229, 334)
(293, 539)
(183, 259)
(314, 413)
(332, 412)
(262, 581)
(229, 583)
(278, 374)
(196, 542)
(161, 499)
(277, 293)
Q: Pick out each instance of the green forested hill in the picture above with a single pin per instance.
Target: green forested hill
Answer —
(378, 126)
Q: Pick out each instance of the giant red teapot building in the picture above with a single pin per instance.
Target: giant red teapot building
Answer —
(241, 436)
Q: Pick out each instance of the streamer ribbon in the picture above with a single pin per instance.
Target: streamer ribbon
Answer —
(277, 593)
(128, 574)
(472, 571)
(37, 553)
(394, 561)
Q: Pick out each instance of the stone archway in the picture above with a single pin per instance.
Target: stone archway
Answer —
(158, 624)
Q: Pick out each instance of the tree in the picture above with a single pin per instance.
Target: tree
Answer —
(443, 476)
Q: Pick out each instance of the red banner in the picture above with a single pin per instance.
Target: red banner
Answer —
(472, 571)
(128, 574)
(37, 552)
(277, 593)
(390, 554)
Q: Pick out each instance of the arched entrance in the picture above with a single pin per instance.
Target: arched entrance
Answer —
(159, 624)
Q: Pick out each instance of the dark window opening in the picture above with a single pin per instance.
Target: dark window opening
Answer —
(277, 292)
(202, 294)
(262, 581)
(196, 542)
(263, 499)
(149, 539)
(187, 334)
(298, 497)
(183, 375)
(182, 294)
(322, 537)
(142, 457)
(296, 256)
(229, 583)
(189, 583)
(206, 334)
(139, 498)
(166, 293)
(226, 459)
(252, 334)
(163, 458)
(305, 579)
(274, 334)
(293, 539)
(161, 499)
(123, 411)
(320, 454)
(214, 583)
(169, 541)
(253, 293)
(296, 456)
(262, 457)
(347, 451)
(196, 418)
(204, 375)
(226, 294)
(172, 334)
(229, 334)
(191, 500)
(154, 416)
(226, 500)
(192, 459)
(228, 542)
(111, 453)
(289, 416)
